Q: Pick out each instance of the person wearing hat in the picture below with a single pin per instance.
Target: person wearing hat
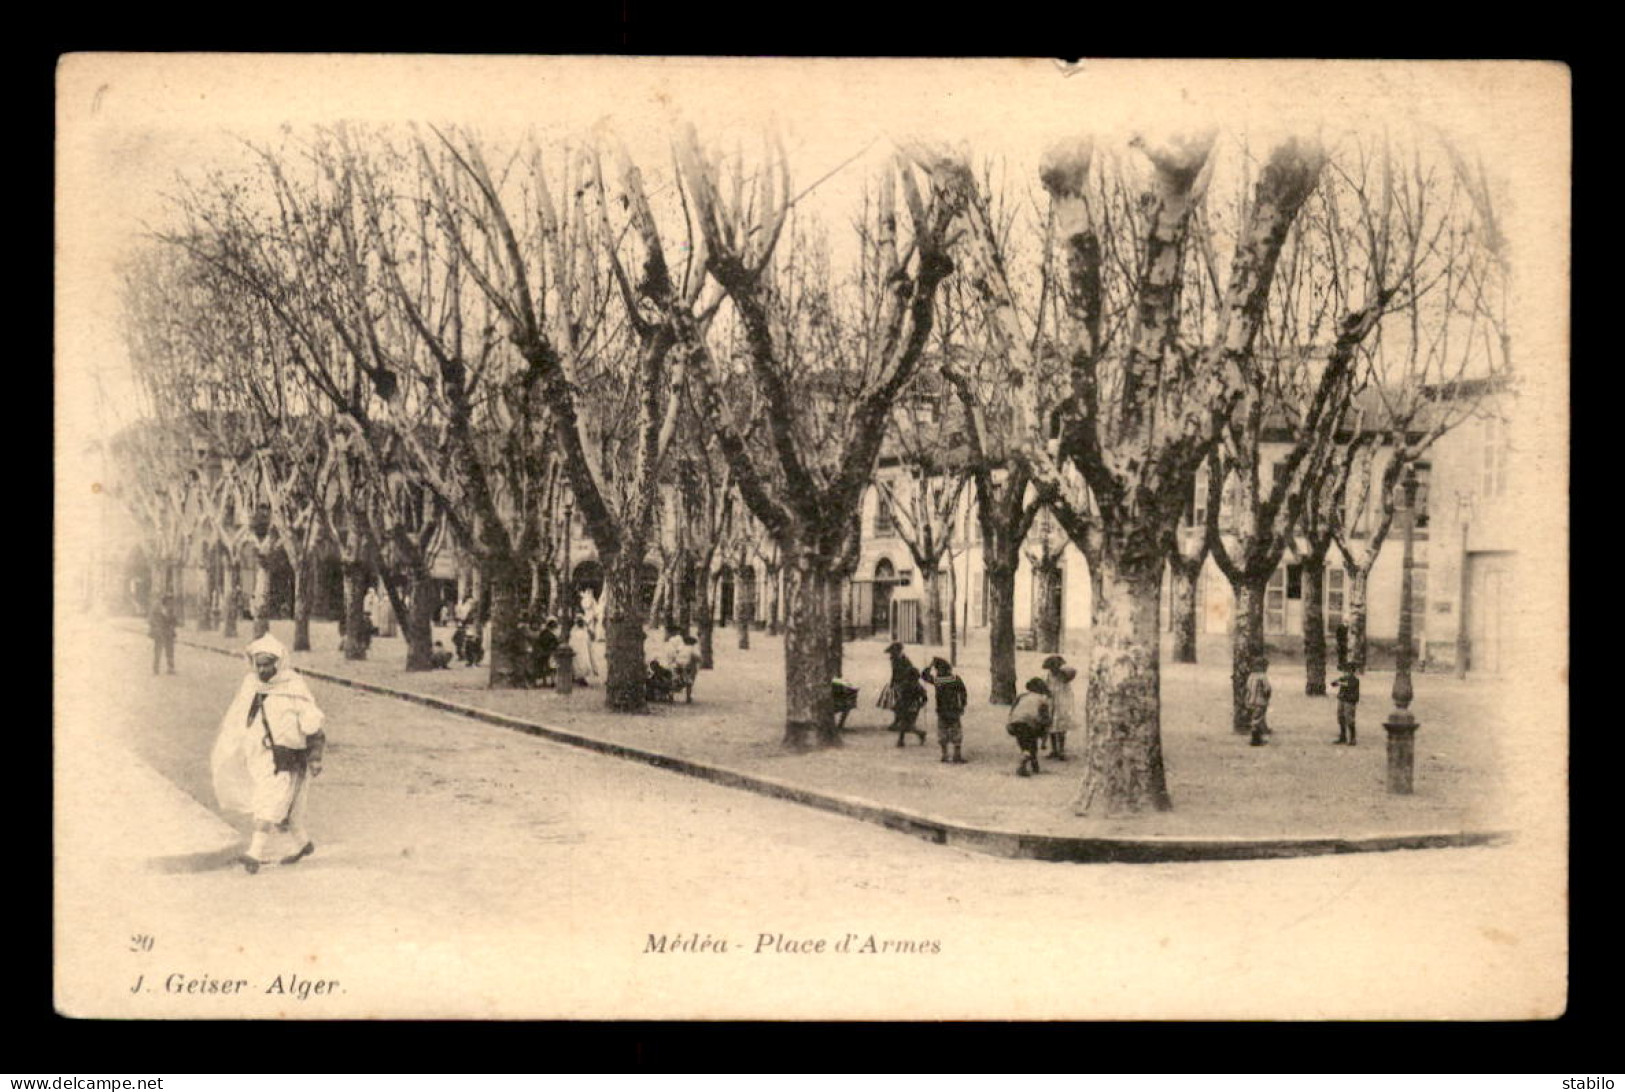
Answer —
(270, 745)
(1030, 720)
(161, 628)
(951, 701)
(1257, 697)
(542, 650)
(1058, 676)
(907, 696)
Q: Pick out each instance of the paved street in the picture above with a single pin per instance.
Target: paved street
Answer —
(466, 870)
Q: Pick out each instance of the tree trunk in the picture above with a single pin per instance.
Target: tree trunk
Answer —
(418, 627)
(809, 712)
(356, 636)
(262, 594)
(211, 586)
(1314, 625)
(301, 605)
(1046, 616)
(1001, 632)
(775, 583)
(623, 634)
(505, 580)
(931, 588)
(687, 589)
(1246, 646)
(1182, 578)
(837, 635)
(744, 606)
(705, 618)
(228, 596)
(1358, 581)
(1123, 752)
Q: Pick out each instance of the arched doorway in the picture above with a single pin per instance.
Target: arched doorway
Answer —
(725, 597)
(885, 580)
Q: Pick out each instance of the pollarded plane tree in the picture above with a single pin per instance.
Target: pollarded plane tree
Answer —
(292, 234)
(557, 254)
(488, 462)
(1357, 251)
(824, 399)
(924, 493)
(162, 310)
(1005, 365)
(1139, 419)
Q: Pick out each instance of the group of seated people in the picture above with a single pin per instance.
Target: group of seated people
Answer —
(675, 670)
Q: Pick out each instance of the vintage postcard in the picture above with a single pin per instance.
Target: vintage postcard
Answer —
(724, 538)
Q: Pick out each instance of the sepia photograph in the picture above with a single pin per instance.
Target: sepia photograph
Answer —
(683, 538)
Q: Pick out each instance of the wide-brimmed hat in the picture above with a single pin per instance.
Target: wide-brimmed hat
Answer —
(1038, 686)
(941, 665)
(1052, 662)
(893, 647)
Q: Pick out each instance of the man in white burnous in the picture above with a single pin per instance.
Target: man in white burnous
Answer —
(270, 746)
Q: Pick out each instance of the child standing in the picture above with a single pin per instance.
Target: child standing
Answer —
(1258, 701)
(1058, 676)
(952, 697)
(1030, 720)
(1348, 700)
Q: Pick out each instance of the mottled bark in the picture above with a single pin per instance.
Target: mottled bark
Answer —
(836, 608)
(809, 712)
(418, 625)
(1359, 581)
(1182, 577)
(1314, 625)
(931, 590)
(1001, 631)
(624, 634)
(1246, 646)
(1046, 607)
(357, 637)
(506, 582)
(705, 617)
(1123, 769)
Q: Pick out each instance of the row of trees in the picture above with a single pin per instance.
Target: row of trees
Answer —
(423, 326)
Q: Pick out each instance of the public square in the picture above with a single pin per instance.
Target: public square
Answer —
(466, 869)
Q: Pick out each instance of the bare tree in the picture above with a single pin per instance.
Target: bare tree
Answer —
(825, 396)
(1140, 415)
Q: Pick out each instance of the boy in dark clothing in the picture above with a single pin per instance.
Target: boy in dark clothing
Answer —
(1348, 700)
(1258, 702)
(161, 628)
(844, 696)
(907, 695)
(541, 650)
(952, 698)
(661, 685)
(440, 657)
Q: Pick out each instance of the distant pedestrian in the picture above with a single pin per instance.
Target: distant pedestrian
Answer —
(685, 666)
(161, 628)
(1257, 697)
(1030, 720)
(270, 745)
(586, 664)
(1348, 701)
(441, 656)
(905, 697)
(542, 650)
(1058, 676)
(659, 684)
(951, 701)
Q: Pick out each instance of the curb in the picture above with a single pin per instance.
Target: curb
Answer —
(197, 838)
(999, 843)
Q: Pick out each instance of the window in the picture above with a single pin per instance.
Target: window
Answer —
(1335, 578)
(1196, 503)
(1275, 603)
(885, 524)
